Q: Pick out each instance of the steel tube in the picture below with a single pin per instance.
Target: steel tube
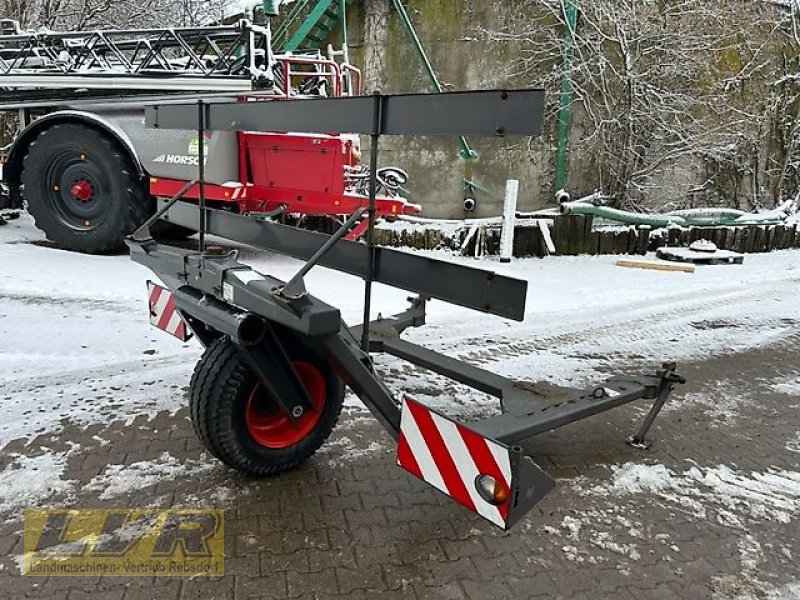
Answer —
(244, 328)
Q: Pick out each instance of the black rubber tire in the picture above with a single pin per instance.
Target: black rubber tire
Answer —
(120, 202)
(218, 394)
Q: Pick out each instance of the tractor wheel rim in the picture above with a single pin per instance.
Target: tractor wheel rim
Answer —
(78, 191)
(82, 190)
(269, 426)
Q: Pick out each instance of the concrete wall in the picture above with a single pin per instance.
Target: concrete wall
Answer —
(452, 33)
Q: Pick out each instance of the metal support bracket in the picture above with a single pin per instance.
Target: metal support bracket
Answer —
(295, 287)
(669, 378)
(270, 362)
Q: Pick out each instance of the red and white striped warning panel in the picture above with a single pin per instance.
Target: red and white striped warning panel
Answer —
(163, 314)
(471, 469)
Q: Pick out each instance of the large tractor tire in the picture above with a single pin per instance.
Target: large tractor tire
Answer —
(82, 189)
(240, 424)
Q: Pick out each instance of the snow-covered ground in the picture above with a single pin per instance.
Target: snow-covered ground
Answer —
(78, 350)
(75, 327)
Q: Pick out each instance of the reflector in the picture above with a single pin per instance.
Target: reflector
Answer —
(491, 490)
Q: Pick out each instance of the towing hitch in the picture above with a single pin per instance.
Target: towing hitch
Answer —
(268, 390)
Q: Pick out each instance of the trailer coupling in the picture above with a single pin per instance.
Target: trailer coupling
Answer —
(268, 390)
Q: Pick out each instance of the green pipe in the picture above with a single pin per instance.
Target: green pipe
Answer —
(776, 215)
(687, 218)
(571, 18)
(271, 7)
(712, 215)
(622, 216)
(466, 152)
(343, 26)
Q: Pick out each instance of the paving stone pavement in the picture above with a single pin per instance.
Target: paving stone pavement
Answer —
(349, 524)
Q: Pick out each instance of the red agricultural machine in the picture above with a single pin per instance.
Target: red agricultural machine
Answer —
(90, 173)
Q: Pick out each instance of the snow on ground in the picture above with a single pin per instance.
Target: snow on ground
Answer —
(717, 492)
(78, 345)
(78, 349)
(30, 479)
(790, 387)
(116, 480)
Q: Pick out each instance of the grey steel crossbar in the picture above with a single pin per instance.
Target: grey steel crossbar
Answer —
(478, 289)
(489, 113)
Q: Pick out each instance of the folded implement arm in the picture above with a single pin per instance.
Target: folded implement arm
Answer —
(264, 320)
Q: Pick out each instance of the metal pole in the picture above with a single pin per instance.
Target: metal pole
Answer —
(466, 152)
(373, 190)
(509, 219)
(343, 25)
(201, 171)
(291, 286)
(571, 18)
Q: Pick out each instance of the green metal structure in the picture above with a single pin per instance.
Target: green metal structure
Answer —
(321, 18)
(571, 19)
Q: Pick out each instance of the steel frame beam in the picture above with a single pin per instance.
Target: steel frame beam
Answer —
(492, 113)
(480, 290)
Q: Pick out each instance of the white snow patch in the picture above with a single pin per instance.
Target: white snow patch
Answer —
(30, 479)
(97, 361)
(750, 554)
(116, 480)
(573, 527)
(604, 540)
(793, 445)
(790, 387)
(346, 450)
(773, 495)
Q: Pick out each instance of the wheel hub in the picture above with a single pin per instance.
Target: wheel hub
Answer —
(82, 190)
(270, 427)
(79, 190)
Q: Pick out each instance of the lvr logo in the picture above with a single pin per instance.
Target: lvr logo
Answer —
(124, 542)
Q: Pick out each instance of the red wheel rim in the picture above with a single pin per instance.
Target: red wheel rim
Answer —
(269, 426)
(82, 190)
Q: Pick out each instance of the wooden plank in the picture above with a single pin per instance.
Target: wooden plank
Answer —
(589, 237)
(719, 236)
(621, 242)
(770, 234)
(593, 243)
(631, 263)
(740, 242)
(547, 237)
(791, 232)
(605, 243)
(730, 238)
(632, 238)
(575, 234)
(520, 246)
(642, 240)
(788, 236)
(558, 235)
(750, 244)
(760, 244)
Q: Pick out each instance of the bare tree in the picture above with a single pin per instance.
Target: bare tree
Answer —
(71, 15)
(668, 82)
